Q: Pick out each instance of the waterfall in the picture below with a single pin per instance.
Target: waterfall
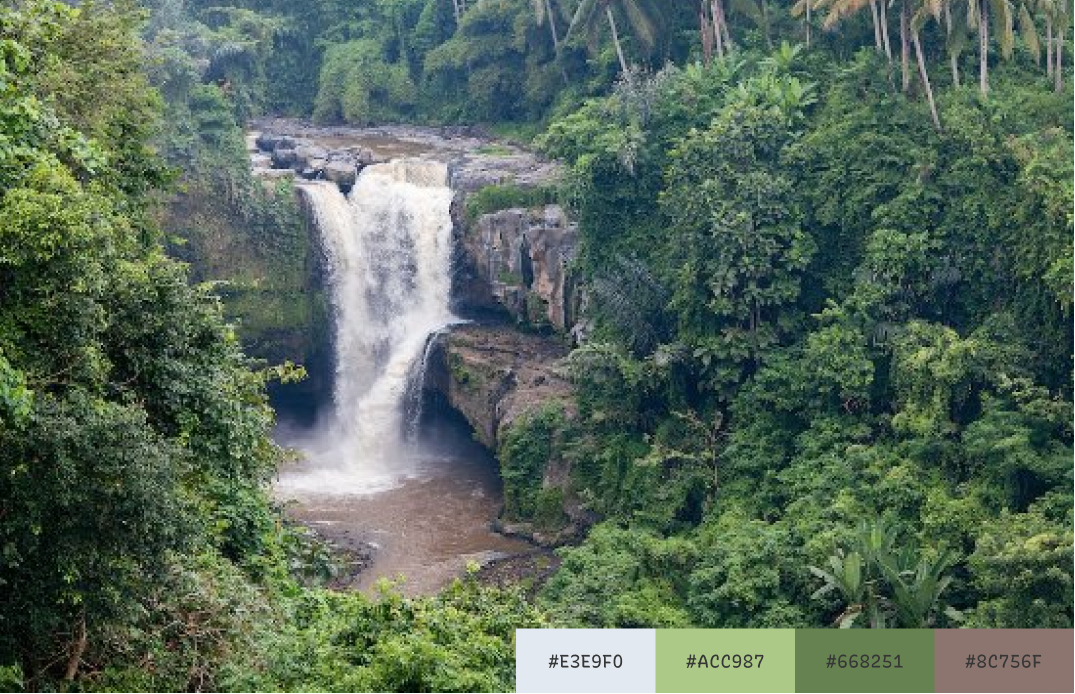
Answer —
(388, 248)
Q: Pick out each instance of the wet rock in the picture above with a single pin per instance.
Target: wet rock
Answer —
(305, 154)
(494, 374)
(283, 158)
(342, 173)
(267, 142)
(517, 259)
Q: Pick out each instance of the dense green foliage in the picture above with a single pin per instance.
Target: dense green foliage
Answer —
(814, 311)
(139, 549)
(495, 61)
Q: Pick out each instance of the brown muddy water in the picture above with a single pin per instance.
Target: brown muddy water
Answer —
(425, 524)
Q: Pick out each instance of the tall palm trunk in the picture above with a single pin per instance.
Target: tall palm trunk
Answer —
(905, 47)
(714, 25)
(1058, 69)
(808, 2)
(552, 26)
(616, 37)
(876, 26)
(983, 46)
(925, 79)
(953, 59)
(721, 24)
(1048, 46)
(551, 18)
(705, 33)
(884, 30)
(455, 9)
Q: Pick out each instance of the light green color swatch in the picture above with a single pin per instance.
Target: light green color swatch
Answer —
(725, 660)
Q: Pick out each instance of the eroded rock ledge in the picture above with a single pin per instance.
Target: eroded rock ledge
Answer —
(494, 375)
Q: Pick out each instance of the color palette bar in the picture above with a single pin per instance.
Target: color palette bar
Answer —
(795, 660)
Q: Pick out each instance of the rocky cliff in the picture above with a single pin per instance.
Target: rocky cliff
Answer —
(516, 261)
(509, 262)
(494, 374)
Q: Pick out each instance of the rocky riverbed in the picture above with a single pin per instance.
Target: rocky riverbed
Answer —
(336, 153)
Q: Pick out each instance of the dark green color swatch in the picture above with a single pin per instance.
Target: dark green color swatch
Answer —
(896, 660)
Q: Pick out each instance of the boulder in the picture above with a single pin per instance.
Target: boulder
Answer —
(314, 169)
(283, 158)
(267, 142)
(343, 174)
(305, 155)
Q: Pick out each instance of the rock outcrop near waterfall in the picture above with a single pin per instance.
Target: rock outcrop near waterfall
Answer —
(496, 377)
(516, 261)
(494, 374)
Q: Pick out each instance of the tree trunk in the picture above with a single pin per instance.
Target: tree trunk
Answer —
(718, 34)
(905, 47)
(552, 25)
(808, 23)
(455, 9)
(551, 18)
(705, 33)
(1058, 69)
(876, 16)
(77, 649)
(925, 79)
(953, 59)
(884, 31)
(721, 23)
(983, 47)
(616, 38)
(1048, 46)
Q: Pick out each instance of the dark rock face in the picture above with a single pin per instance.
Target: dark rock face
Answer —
(516, 260)
(283, 158)
(495, 374)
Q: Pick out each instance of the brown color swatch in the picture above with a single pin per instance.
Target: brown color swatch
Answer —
(953, 671)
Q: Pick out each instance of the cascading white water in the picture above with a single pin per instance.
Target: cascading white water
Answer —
(388, 249)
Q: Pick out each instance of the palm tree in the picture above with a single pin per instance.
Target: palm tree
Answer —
(714, 26)
(1063, 23)
(981, 15)
(1057, 15)
(955, 37)
(641, 15)
(544, 12)
(924, 75)
(837, 11)
(916, 592)
(860, 576)
(803, 9)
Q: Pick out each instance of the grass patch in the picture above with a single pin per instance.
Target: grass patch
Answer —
(495, 198)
